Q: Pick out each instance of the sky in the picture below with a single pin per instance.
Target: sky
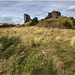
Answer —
(13, 11)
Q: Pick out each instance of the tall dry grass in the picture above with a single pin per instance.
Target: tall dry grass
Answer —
(58, 45)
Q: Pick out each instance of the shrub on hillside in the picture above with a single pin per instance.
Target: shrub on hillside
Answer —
(5, 25)
(34, 21)
(42, 19)
(73, 20)
(67, 25)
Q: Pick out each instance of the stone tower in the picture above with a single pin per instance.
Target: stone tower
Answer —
(53, 14)
(26, 18)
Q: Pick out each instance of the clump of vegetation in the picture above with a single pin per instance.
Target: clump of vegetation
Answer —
(73, 20)
(34, 21)
(9, 45)
(42, 19)
(67, 25)
(5, 25)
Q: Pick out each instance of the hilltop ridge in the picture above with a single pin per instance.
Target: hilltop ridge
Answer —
(61, 22)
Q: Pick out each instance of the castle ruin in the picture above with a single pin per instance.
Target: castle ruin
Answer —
(26, 18)
(53, 14)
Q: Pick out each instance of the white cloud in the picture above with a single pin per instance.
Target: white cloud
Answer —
(18, 20)
(6, 18)
(38, 14)
(71, 8)
(10, 19)
(37, 0)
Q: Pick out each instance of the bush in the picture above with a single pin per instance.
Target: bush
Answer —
(42, 19)
(34, 21)
(4, 25)
(73, 20)
(67, 25)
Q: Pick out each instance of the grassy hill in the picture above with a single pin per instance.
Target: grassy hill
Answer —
(62, 22)
(37, 50)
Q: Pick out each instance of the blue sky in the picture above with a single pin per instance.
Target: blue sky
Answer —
(13, 11)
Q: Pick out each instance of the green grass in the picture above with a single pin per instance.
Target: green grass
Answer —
(37, 50)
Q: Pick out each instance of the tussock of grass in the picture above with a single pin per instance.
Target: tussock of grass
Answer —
(36, 50)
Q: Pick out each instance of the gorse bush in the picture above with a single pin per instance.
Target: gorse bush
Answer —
(67, 25)
(34, 21)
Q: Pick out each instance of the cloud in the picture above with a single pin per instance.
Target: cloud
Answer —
(34, 8)
(37, 0)
(27, 10)
(39, 8)
(40, 13)
(10, 19)
(58, 9)
(6, 18)
(7, 3)
(71, 8)
(18, 20)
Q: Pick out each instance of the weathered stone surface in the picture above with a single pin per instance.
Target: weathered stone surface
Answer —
(53, 14)
(49, 16)
(26, 18)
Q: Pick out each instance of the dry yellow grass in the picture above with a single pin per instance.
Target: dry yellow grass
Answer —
(38, 33)
(56, 43)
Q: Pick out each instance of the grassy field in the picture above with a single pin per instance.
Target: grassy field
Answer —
(37, 50)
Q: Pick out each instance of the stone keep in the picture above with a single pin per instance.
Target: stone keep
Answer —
(53, 14)
(26, 18)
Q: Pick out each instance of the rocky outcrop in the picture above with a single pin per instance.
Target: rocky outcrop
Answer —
(53, 14)
(26, 18)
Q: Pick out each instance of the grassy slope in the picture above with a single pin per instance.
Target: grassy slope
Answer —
(37, 50)
(53, 23)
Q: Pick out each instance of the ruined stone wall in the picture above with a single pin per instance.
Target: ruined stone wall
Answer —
(49, 16)
(26, 18)
(53, 14)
